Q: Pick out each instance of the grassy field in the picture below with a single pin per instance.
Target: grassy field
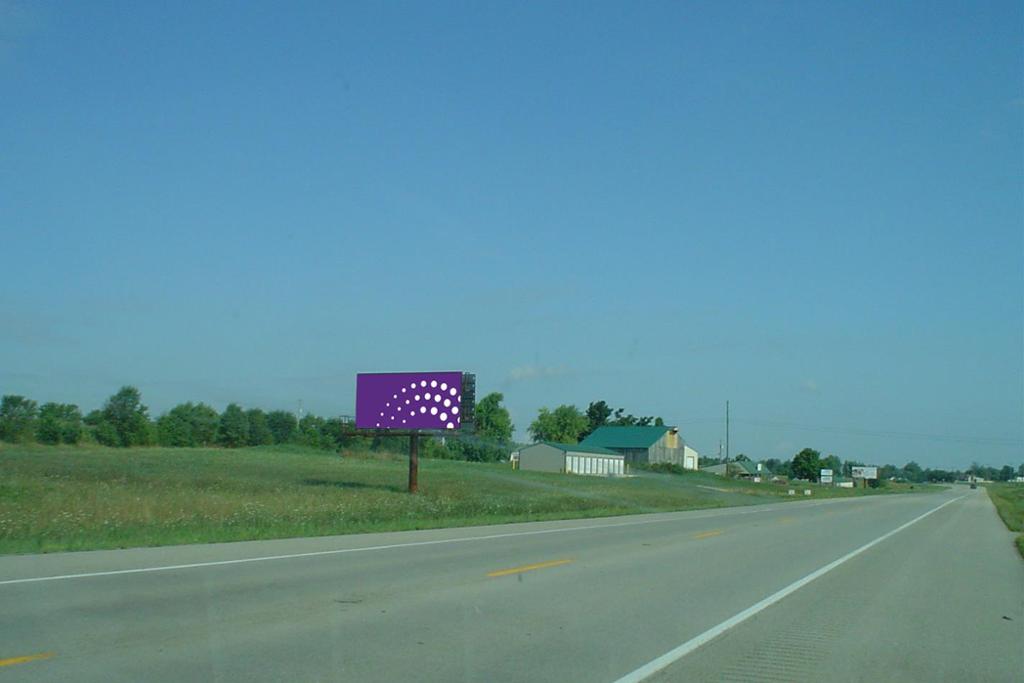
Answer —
(79, 498)
(1009, 501)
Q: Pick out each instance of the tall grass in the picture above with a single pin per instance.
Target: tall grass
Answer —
(88, 497)
(1009, 502)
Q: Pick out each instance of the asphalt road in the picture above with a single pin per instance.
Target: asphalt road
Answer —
(921, 587)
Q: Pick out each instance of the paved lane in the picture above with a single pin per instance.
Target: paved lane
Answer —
(585, 600)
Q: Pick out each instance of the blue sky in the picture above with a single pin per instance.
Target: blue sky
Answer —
(813, 210)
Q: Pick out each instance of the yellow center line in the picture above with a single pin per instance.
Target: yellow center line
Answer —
(528, 568)
(787, 520)
(26, 658)
(708, 534)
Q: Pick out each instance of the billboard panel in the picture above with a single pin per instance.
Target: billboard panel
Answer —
(409, 400)
(865, 473)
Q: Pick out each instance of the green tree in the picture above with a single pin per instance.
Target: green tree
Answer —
(1006, 474)
(598, 413)
(48, 425)
(283, 425)
(338, 432)
(741, 458)
(939, 475)
(205, 425)
(492, 419)
(234, 427)
(59, 423)
(619, 419)
(106, 434)
(127, 420)
(806, 464)
(259, 430)
(313, 431)
(174, 428)
(833, 463)
(564, 424)
(17, 418)
(913, 472)
(70, 423)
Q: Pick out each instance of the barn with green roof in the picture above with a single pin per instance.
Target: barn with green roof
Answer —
(646, 445)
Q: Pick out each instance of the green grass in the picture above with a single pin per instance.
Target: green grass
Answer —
(1009, 501)
(89, 497)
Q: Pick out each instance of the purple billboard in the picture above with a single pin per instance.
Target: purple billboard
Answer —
(408, 400)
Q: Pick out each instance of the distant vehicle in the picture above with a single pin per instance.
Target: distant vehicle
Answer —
(973, 485)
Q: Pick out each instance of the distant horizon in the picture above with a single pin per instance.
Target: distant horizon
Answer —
(299, 406)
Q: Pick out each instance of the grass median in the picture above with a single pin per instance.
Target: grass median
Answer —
(1009, 501)
(84, 498)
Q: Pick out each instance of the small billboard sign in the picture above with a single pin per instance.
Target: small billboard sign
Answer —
(409, 400)
(826, 476)
(865, 473)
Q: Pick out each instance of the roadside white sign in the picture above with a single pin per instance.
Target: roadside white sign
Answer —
(826, 478)
(865, 473)
(826, 473)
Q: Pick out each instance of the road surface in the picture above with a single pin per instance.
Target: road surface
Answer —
(923, 587)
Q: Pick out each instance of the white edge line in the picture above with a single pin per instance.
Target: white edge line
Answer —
(747, 510)
(674, 655)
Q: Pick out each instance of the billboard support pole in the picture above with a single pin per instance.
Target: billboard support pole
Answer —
(414, 462)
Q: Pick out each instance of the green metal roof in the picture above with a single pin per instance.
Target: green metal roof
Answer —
(625, 437)
(579, 448)
(749, 466)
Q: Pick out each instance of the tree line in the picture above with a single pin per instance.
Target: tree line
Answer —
(124, 422)
(567, 424)
(808, 463)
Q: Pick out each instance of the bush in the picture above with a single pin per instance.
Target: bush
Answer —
(234, 427)
(665, 468)
(59, 423)
(17, 418)
(259, 431)
(282, 425)
(465, 447)
(124, 420)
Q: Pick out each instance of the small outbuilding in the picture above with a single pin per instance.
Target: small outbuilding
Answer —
(548, 456)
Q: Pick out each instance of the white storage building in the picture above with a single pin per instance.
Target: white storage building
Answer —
(548, 456)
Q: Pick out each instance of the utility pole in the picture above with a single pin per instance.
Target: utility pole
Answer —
(727, 436)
